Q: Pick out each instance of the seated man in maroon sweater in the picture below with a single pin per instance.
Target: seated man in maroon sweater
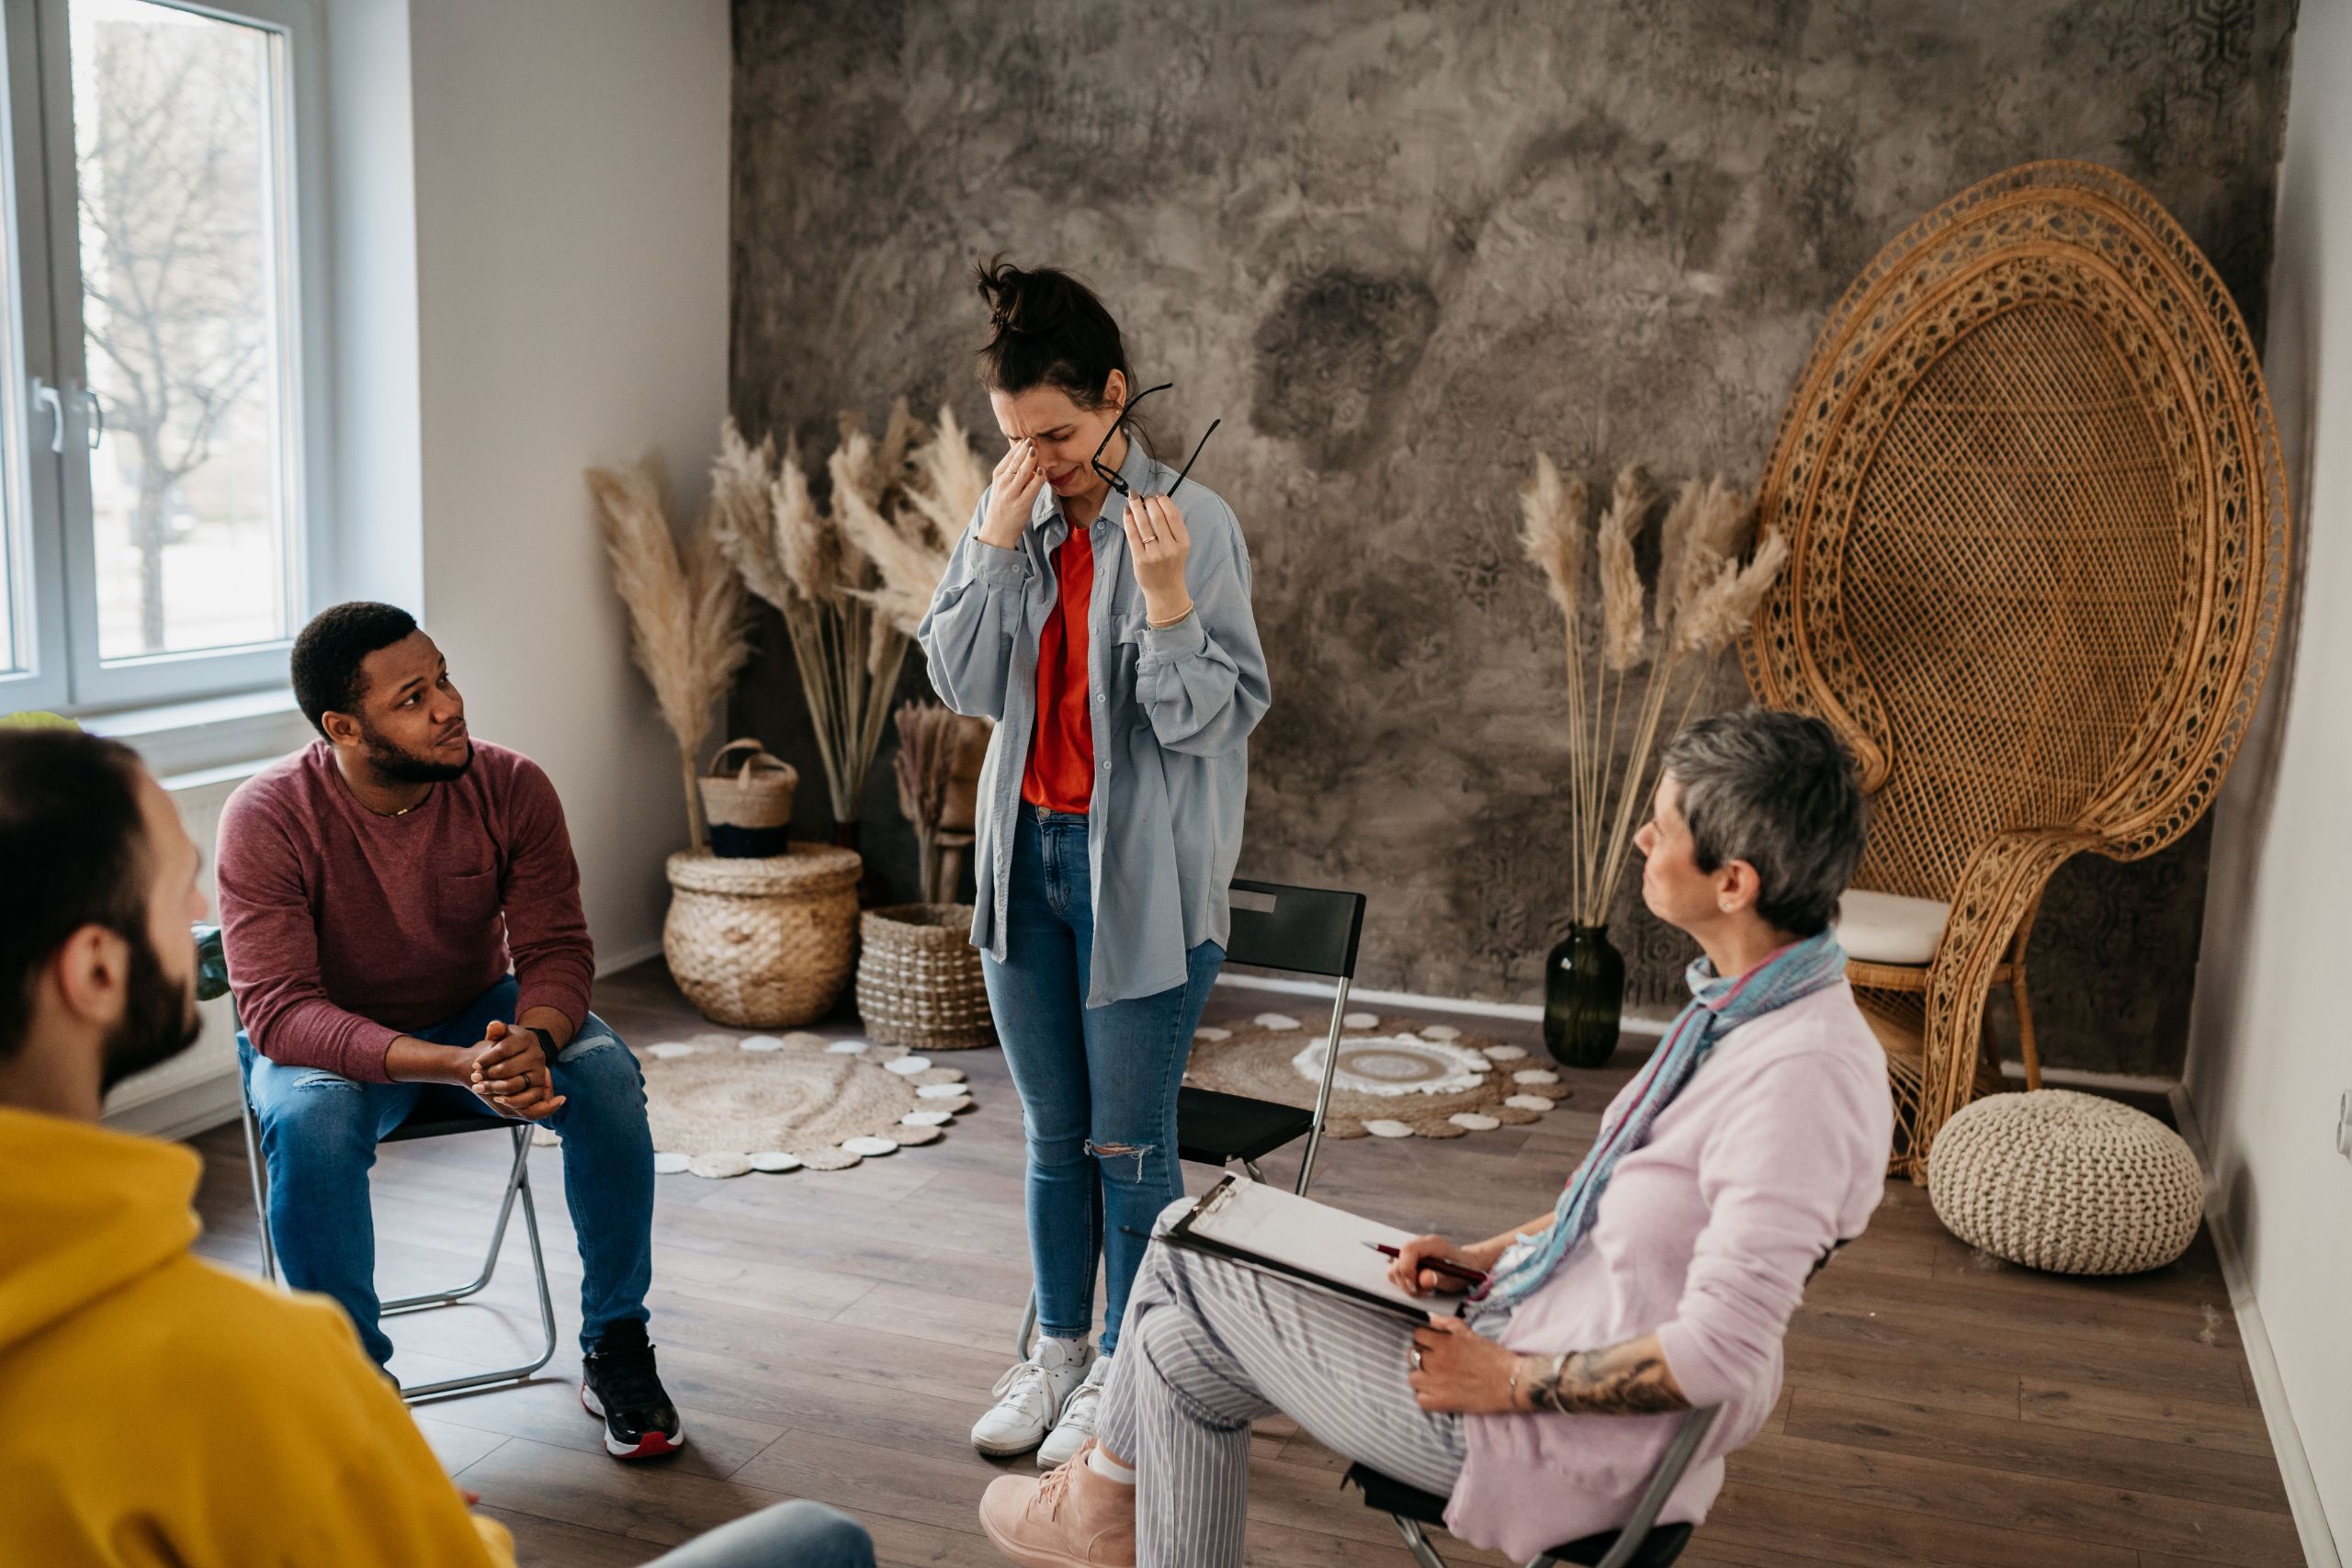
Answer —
(375, 888)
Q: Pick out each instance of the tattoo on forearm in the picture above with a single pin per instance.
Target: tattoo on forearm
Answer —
(1625, 1380)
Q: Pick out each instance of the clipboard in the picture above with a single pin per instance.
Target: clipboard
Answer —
(1275, 1232)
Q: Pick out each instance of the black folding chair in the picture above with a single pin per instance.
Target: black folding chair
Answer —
(1642, 1542)
(1302, 930)
(213, 980)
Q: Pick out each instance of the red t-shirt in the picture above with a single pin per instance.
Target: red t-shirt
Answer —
(1060, 776)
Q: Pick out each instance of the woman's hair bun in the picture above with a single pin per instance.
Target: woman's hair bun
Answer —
(1049, 329)
(1030, 304)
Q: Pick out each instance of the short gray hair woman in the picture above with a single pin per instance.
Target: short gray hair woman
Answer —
(1543, 1414)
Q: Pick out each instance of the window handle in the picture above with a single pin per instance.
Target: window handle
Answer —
(48, 397)
(96, 412)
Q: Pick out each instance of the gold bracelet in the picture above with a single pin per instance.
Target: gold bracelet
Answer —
(1169, 624)
(1511, 1395)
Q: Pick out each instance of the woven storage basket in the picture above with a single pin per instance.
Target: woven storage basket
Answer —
(761, 943)
(919, 980)
(2067, 1182)
(750, 810)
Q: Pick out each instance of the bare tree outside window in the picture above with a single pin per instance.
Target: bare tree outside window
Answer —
(176, 149)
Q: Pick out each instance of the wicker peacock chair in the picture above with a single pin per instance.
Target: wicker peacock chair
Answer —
(2038, 529)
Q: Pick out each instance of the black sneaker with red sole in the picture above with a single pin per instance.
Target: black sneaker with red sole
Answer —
(619, 1386)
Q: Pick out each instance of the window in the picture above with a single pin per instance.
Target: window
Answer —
(152, 432)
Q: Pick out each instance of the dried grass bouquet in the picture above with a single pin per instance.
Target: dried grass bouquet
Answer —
(854, 578)
(1706, 595)
(686, 610)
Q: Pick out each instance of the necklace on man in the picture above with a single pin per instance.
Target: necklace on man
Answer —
(405, 810)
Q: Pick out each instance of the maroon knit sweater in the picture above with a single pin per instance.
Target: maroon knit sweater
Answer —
(345, 930)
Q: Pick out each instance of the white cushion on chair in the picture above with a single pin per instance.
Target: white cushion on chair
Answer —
(1887, 928)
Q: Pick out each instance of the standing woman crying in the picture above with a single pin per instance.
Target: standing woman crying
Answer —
(1098, 611)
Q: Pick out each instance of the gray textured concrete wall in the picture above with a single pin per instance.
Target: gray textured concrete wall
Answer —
(1397, 247)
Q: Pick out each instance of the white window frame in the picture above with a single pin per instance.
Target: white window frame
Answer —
(59, 605)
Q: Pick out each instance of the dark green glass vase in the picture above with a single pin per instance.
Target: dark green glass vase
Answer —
(1584, 998)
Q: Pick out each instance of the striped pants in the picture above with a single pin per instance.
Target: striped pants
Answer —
(1209, 1346)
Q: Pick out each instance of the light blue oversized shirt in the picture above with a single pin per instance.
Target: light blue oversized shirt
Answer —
(1173, 712)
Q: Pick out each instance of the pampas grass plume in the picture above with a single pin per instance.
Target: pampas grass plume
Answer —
(743, 480)
(805, 547)
(950, 479)
(900, 436)
(910, 552)
(686, 608)
(1553, 534)
(1723, 607)
(908, 568)
(1620, 582)
(1674, 548)
(853, 468)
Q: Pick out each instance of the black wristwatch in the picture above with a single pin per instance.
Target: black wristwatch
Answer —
(547, 1040)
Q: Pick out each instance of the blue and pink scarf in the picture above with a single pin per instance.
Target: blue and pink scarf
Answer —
(1718, 1007)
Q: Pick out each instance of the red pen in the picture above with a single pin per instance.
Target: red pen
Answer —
(1468, 1275)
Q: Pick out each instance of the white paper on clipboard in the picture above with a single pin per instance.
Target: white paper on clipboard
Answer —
(1265, 1226)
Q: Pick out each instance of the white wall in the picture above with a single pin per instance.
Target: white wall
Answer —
(377, 544)
(2269, 1057)
(572, 255)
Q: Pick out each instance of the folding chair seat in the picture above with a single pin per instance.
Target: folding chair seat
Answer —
(1641, 1544)
(1217, 1129)
(213, 980)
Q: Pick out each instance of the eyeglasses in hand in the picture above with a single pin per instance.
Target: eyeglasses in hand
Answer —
(1110, 476)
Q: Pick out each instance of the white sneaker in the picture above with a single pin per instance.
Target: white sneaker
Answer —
(1030, 1397)
(1077, 1425)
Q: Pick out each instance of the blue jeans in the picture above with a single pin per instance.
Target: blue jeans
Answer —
(319, 1131)
(1098, 1085)
(786, 1535)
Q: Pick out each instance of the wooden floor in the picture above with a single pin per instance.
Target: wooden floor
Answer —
(833, 1336)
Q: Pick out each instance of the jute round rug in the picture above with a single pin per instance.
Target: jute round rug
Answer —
(721, 1105)
(1396, 1079)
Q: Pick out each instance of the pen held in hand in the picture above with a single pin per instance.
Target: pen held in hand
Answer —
(1468, 1275)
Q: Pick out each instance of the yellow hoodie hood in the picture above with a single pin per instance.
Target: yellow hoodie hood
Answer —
(83, 1212)
(143, 1390)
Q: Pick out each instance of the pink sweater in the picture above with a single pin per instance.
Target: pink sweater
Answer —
(1774, 1153)
(345, 930)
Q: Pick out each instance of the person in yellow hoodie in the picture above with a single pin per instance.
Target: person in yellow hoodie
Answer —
(156, 1410)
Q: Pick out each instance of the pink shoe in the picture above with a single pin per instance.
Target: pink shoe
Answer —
(1068, 1517)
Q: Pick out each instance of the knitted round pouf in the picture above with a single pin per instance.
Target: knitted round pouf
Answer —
(2067, 1182)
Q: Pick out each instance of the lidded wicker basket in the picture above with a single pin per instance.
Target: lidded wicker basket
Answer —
(762, 943)
(919, 978)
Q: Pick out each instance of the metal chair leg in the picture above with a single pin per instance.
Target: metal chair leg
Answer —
(517, 1185)
(261, 1192)
(1323, 1089)
(1416, 1542)
(1662, 1480)
(1255, 1174)
(517, 1180)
